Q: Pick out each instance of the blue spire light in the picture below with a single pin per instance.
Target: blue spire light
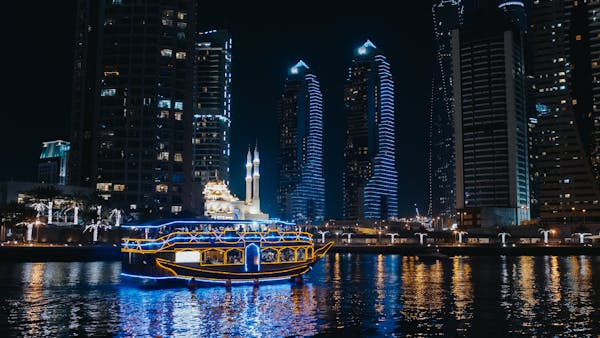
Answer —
(294, 70)
(362, 50)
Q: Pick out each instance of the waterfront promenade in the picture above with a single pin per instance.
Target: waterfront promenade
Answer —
(111, 252)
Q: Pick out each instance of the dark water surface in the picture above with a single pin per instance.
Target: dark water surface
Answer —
(344, 295)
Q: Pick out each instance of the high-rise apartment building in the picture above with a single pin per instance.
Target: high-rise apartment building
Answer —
(491, 145)
(134, 101)
(567, 100)
(446, 15)
(211, 136)
(301, 190)
(212, 120)
(370, 177)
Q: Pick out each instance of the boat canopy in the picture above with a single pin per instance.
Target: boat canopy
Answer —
(163, 223)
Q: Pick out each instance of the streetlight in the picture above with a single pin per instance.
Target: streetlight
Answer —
(583, 211)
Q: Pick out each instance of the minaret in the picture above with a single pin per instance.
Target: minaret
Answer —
(255, 180)
(249, 177)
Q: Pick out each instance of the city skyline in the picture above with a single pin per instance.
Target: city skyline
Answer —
(322, 45)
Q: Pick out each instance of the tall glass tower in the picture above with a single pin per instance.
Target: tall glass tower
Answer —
(446, 15)
(301, 191)
(491, 144)
(370, 178)
(212, 118)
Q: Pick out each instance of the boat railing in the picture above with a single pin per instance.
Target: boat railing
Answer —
(212, 238)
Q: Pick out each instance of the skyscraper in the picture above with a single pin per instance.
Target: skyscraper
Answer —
(370, 178)
(301, 191)
(492, 183)
(447, 15)
(52, 167)
(567, 102)
(133, 102)
(212, 119)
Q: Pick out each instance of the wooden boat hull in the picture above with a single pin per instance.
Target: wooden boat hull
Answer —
(157, 269)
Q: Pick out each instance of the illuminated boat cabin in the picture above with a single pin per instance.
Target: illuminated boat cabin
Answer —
(227, 252)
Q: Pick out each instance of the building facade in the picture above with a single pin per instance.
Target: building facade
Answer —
(491, 144)
(301, 189)
(52, 167)
(212, 120)
(567, 101)
(446, 15)
(133, 102)
(370, 177)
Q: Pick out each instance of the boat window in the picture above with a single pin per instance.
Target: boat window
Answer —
(212, 257)
(287, 255)
(187, 256)
(268, 256)
(301, 254)
(234, 256)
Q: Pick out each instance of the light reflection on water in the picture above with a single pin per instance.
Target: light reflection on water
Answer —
(344, 295)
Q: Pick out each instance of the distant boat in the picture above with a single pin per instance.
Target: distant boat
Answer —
(204, 252)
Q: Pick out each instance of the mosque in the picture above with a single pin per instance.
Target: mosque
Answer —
(220, 203)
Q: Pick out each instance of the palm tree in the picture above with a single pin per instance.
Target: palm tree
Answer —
(393, 235)
(582, 236)
(503, 235)
(421, 236)
(39, 207)
(323, 233)
(94, 228)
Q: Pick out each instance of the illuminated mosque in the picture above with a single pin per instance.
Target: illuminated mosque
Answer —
(220, 203)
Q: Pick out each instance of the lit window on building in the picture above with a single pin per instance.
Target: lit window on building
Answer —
(176, 208)
(178, 105)
(180, 55)
(181, 15)
(178, 157)
(163, 114)
(103, 186)
(119, 187)
(162, 188)
(111, 73)
(178, 115)
(163, 156)
(181, 25)
(167, 22)
(108, 92)
(164, 104)
(166, 52)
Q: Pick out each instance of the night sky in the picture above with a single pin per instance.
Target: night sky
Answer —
(36, 81)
